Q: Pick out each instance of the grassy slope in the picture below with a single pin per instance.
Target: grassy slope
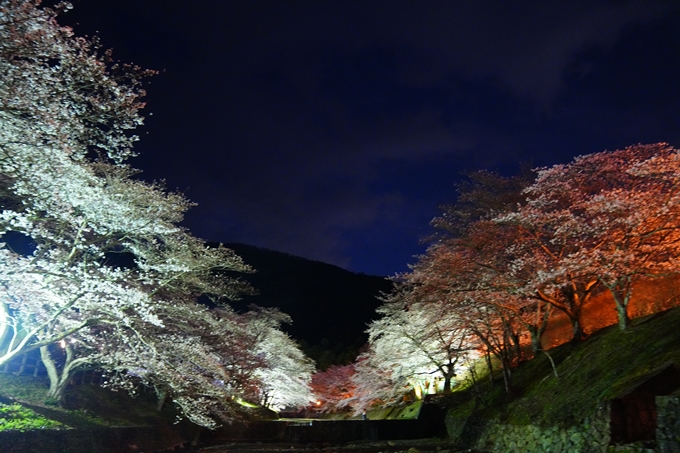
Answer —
(601, 368)
(86, 405)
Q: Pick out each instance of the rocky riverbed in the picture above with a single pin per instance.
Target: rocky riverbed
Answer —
(403, 446)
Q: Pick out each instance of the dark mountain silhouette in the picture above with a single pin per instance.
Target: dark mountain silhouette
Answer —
(325, 301)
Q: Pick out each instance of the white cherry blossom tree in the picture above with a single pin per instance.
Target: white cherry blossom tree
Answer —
(284, 379)
(66, 111)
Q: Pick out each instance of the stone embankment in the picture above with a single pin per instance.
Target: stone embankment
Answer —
(591, 435)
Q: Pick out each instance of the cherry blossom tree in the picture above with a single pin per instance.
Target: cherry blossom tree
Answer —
(472, 241)
(462, 282)
(333, 386)
(536, 255)
(420, 342)
(203, 360)
(606, 218)
(375, 385)
(66, 111)
(286, 374)
(633, 227)
(457, 301)
(482, 195)
(67, 283)
(416, 346)
(59, 92)
(58, 104)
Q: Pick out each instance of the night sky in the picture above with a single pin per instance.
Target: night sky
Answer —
(333, 130)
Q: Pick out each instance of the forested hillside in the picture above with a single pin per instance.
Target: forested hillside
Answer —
(326, 302)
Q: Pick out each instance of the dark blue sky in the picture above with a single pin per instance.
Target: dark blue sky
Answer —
(333, 129)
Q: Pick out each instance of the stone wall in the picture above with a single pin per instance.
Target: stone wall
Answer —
(590, 436)
(668, 424)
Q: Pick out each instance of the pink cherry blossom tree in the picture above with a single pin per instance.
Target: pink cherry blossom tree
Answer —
(333, 386)
(604, 219)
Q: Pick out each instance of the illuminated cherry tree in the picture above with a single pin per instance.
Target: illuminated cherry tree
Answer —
(286, 373)
(92, 258)
(606, 218)
(203, 360)
(633, 225)
(457, 303)
(333, 386)
(417, 346)
(58, 105)
(463, 283)
(536, 255)
(375, 386)
(474, 253)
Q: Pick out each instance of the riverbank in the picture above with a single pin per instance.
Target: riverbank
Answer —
(397, 446)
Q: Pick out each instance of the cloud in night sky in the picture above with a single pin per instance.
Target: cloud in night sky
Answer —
(333, 130)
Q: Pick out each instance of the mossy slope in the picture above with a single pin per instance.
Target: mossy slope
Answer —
(603, 367)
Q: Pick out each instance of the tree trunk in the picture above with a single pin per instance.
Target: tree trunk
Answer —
(517, 345)
(621, 292)
(490, 366)
(624, 319)
(535, 340)
(448, 376)
(58, 382)
(575, 295)
(59, 379)
(543, 311)
(577, 329)
(162, 395)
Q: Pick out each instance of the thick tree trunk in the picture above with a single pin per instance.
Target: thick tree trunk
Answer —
(60, 379)
(536, 330)
(574, 296)
(624, 319)
(517, 345)
(574, 314)
(58, 382)
(448, 378)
